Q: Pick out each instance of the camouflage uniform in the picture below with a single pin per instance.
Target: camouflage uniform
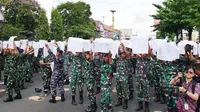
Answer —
(97, 63)
(6, 68)
(21, 70)
(130, 77)
(90, 80)
(12, 81)
(46, 73)
(122, 79)
(76, 75)
(170, 92)
(142, 81)
(57, 75)
(67, 64)
(106, 83)
(28, 68)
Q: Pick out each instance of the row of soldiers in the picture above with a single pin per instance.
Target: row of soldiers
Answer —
(19, 66)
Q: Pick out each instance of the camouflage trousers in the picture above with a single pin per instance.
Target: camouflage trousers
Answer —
(22, 77)
(106, 101)
(157, 85)
(46, 77)
(142, 88)
(97, 76)
(130, 82)
(12, 84)
(90, 84)
(122, 86)
(57, 80)
(76, 80)
(170, 93)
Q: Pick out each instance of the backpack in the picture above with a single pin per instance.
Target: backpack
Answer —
(194, 83)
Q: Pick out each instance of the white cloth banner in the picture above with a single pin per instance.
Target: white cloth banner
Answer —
(127, 43)
(36, 48)
(5, 44)
(24, 43)
(139, 45)
(11, 42)
(61, 45)
(53, 47)
(86, 45)
(42, 43)
(182, 44)
(101, 45)
(75, 44)
(17, 43)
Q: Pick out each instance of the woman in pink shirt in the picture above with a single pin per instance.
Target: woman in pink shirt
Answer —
(187, 101)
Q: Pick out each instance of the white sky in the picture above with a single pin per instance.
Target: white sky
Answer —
(132, 14)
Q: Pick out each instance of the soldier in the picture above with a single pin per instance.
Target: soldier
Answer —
(170, 92)
(46, 73)
(122, 79)
(142, 83)
(57, 75)
(88, 65)
(67, 65)
(97, 72)
(130, 77)
(12, 77)
(106, 83)
(77, 78)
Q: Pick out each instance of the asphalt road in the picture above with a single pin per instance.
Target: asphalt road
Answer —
(26, 105)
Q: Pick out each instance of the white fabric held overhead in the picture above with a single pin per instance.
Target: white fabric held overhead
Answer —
(11, 42)
(139, 45)
(75, 44)
(87, 45)
(5, 44)
(36, 48)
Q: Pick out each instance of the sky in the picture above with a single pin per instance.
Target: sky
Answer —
(132, 14)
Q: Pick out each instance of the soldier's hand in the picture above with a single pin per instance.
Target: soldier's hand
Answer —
(182, 89)
(47, 46)
(180, 75)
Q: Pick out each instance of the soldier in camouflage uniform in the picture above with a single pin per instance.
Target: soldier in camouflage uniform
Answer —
(130, 77)
(28, 68)
(142, 83)
(57, 78)
(22, 70)
(67, 65)
(12, 79)
(46, 73)
(122, 80)
(170, 92)
(97, 72)
(77, 78)
(106, 83)
(88, 72)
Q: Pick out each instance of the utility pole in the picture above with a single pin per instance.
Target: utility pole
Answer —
(113, 20)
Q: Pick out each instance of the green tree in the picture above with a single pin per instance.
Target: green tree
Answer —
(76, 20)
(56, 25)
(8, 30)
(42, 31)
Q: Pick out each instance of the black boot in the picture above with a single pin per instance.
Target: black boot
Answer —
(98, 90)
(125, 104)
(18, 96)
(81, 98)
(62, 98)
(140, 106)
(73, 100)
(53, 99)
(119, 102)
(131, 96)
(162, 100)
(9, 99)
(22, 87)
(157, 99)
(91, 108)
(147, 107)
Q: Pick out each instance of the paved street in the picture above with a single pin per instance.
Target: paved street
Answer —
(26, 105)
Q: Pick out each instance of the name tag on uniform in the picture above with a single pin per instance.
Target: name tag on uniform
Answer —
(186, 106)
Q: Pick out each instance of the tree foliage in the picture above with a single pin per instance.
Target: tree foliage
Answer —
(42, 31)
(176, 15)
(56, 25)
(76, 19)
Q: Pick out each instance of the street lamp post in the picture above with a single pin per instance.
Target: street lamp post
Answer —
(113, 20)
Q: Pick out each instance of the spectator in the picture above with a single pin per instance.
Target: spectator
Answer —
(188, 96)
